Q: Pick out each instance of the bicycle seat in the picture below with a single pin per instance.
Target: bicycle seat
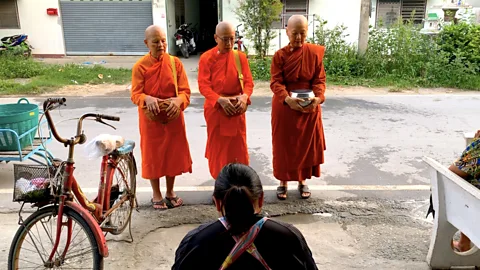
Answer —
(126, 148)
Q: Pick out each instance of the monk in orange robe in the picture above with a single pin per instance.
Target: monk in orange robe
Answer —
(164, 147)
(225, 101)
(297, 132)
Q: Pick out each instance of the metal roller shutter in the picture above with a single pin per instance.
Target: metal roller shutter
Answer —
(409, 6)
(109, 27)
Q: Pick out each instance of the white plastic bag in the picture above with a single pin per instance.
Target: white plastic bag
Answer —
(102, 145)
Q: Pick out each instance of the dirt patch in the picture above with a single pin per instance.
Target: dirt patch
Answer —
(92, 90)
(261, 89)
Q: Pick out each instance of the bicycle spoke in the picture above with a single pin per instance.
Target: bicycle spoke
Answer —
(32, 263)
(80, 253)
(36, 247)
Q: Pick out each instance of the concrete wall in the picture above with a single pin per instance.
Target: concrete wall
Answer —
(346, 12)
(159, 15)
(44, 32)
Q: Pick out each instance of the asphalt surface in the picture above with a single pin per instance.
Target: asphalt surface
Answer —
(367, 209)
(372, 140)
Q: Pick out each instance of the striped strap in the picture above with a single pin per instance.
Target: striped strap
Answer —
(244, 243)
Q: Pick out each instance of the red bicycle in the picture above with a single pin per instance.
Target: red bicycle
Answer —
(67, 230)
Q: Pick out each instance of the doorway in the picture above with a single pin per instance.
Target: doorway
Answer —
(203, 17)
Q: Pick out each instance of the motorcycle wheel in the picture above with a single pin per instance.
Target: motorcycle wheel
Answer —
(184, 49)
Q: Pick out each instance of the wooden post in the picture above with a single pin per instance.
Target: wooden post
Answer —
(364, 24)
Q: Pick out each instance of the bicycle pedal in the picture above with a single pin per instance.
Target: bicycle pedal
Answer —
(109, 228)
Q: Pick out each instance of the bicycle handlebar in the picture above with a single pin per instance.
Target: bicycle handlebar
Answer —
(80, 138)
(109, 117)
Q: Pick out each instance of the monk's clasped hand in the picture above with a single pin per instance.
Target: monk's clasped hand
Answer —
(174, 107)
(241, 105)
(294, 103)
(152, 104)
(227, 105)
(315, 102)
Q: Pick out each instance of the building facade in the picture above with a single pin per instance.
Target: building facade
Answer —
(116, 27)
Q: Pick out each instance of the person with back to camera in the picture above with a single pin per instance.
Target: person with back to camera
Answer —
(241, 238)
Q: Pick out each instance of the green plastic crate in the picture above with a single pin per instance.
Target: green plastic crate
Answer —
(19, 117)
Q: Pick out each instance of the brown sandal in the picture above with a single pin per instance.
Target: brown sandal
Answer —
(169, 203)
(281, 190)
(304, 189)
(162, 202)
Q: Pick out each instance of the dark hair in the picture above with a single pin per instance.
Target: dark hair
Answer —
(238, 187)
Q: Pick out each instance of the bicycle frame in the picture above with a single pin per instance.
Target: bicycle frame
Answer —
(70, 185)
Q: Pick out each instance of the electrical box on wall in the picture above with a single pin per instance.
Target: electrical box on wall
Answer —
(52, 11)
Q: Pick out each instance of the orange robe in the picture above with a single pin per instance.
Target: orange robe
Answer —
(164, 147)
(298, 140)
(226, 135)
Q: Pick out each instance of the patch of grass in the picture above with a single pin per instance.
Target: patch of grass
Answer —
(44, 77)
(19, 67)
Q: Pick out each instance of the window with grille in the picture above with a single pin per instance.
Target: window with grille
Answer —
(291, 7)
(9, 14)
(389, 11)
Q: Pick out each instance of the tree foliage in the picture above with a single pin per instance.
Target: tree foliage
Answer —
(257, 17)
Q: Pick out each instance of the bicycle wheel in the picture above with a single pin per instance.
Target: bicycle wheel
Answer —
(35, 239)
(123, 185)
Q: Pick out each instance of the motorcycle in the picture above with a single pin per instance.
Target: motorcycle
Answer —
(184, 39)
(16, 44)
(238, 45)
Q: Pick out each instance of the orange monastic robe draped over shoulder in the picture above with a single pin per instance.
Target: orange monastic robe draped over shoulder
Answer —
(226, 135)
(164, 147)
(298, 139)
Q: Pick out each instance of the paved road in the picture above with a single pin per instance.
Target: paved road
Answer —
(374, 144)
(374, 140)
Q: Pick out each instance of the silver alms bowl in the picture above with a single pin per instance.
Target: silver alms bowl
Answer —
(304, 94)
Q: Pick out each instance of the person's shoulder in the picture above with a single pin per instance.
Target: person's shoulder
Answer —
(191, 241)
(316, 48)
(200, 233)
(207, 55)
(140, 62)
(279, 54)
(282, 50)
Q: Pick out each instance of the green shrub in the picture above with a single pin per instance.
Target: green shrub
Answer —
(340, 57)
(401, 55)
(260, 68)
(461, 41)
(19, 67)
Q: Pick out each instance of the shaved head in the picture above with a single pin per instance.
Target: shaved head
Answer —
(156, 40)
(224, 27)
(152, 30)
(224, 36)
(297, 20)
(297, 27)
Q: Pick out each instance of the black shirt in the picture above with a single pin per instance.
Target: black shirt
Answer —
(281, 245)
